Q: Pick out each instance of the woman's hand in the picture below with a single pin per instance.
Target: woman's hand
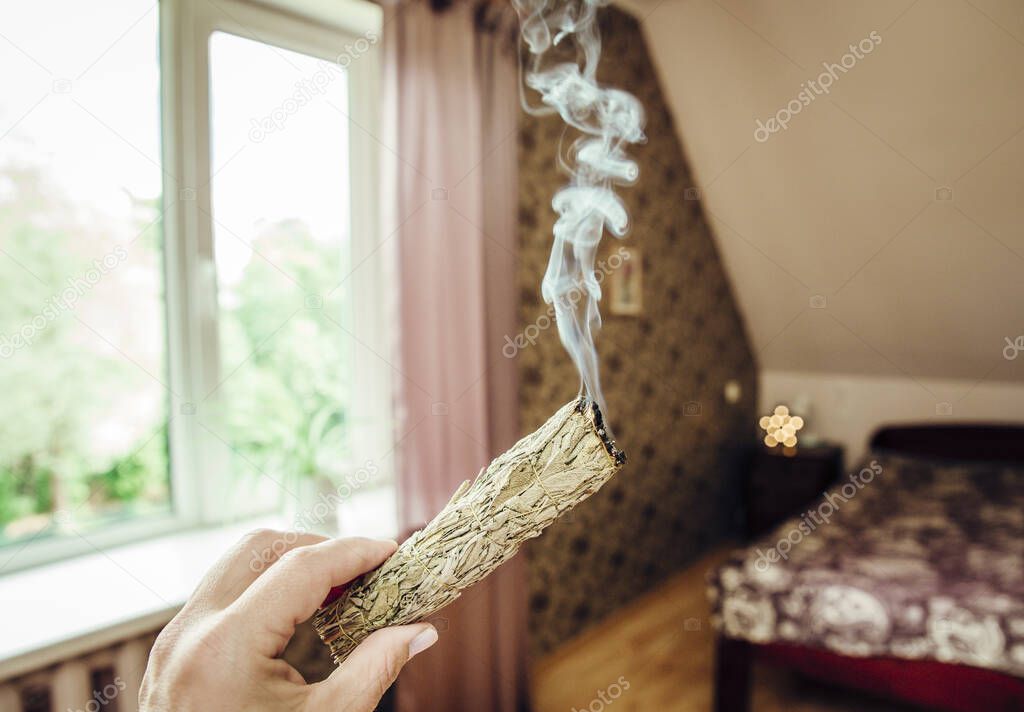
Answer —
(221, 652)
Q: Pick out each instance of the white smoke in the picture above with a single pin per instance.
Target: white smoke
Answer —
(608, 120)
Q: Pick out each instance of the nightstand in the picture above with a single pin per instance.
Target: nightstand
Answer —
(782, 482)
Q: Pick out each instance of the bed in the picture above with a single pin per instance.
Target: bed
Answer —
(906, 579)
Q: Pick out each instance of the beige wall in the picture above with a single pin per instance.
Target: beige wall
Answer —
(847, 409)
(880, 234)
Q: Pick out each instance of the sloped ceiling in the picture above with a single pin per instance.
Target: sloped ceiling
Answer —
(882, 231)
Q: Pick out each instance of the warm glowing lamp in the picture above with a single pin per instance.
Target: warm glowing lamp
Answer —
(780, 427)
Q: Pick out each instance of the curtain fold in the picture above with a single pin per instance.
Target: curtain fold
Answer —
(449, 151)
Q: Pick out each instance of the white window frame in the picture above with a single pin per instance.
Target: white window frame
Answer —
(320, 28)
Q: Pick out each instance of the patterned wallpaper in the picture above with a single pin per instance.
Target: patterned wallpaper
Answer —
(663, 372)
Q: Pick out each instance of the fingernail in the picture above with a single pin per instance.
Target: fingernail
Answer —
(422, 641)
(390, 541)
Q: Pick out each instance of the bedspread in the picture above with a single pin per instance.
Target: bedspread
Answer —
(907, 558)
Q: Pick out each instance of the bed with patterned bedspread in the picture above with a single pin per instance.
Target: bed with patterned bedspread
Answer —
(908, 558)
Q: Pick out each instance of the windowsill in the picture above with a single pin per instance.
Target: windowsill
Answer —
(70, 607)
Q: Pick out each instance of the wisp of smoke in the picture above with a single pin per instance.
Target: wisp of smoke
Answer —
(607, 119)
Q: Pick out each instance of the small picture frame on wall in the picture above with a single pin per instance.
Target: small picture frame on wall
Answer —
(626, 293)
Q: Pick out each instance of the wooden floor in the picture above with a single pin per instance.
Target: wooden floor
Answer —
(661, 645)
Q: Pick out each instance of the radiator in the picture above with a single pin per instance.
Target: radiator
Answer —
(106, 680)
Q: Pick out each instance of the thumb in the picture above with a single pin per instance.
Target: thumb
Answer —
(371, 668)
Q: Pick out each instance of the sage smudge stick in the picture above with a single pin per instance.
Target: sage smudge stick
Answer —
(515, 498)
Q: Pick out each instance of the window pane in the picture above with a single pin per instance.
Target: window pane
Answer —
(280, 220)
(82, 332)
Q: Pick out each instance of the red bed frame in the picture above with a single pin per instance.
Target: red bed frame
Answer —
(930, 684)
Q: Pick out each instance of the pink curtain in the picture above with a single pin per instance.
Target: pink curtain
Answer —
(449, 148)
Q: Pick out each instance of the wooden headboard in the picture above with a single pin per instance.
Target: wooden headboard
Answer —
(976, 441)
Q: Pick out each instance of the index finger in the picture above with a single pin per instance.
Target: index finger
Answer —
(293, 588)
(243, 563)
